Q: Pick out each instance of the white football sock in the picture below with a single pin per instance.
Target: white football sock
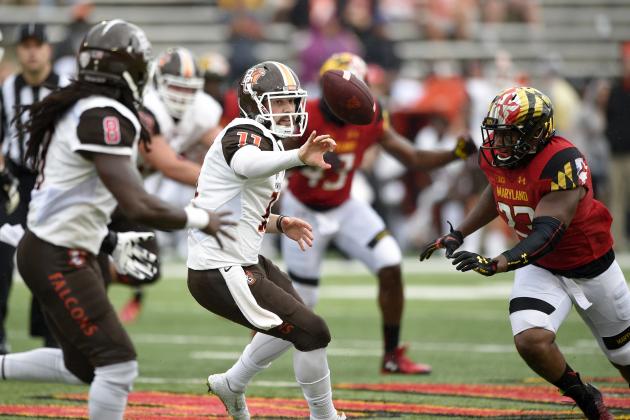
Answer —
(44, 364)
(313, 375)
(258, 355)
(110, 387)
(308, 293)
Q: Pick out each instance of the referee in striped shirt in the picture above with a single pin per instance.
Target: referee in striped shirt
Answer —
(17, 178)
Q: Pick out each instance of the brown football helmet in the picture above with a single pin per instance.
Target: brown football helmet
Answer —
(272, 80)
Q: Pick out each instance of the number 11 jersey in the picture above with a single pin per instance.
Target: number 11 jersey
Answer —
(220, 188)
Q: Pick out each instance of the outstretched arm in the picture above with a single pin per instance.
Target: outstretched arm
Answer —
(403, 150)
(553, 214)
(483, 213)
(163, 158)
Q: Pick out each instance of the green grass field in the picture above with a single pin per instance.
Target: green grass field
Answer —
(466, 342)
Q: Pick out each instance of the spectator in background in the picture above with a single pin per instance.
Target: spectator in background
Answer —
(565, 98)
(363, 18)
(245, 35)
(65, 61)
(591, 135)
(326, 36)
(618, 134)
(448, 19)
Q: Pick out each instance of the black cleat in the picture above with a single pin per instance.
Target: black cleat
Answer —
(590, 401)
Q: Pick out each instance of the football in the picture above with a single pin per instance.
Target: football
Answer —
(348, 97)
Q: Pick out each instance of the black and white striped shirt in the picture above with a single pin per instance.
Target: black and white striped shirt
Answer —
(15, 91)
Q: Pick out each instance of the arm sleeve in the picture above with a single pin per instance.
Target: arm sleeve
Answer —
(546, 233)
(251, 162)
(105, 130)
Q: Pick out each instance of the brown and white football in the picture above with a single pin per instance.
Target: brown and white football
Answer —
(348, 97)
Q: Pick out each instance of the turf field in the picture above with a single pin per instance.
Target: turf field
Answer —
(456, 322)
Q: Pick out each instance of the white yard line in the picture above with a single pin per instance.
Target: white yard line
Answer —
(202, 380)
(336, 267)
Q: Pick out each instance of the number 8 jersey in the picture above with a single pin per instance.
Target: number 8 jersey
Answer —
(558, 166)
(220, 188)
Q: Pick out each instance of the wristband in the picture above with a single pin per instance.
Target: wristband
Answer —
(196, 218)
(279, 223)
(109, 243)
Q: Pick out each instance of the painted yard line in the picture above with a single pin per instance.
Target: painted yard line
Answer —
(202, 381)
(438, 265)
(375, 352)
(343, 347)
(419, 292)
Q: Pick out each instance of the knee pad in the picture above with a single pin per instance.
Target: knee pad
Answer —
(119, 374)
(386, 253)
(316, 337)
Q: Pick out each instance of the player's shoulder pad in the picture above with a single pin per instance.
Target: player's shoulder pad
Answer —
(105, 126)
(566, 169)
(149, 121)
(241, 135)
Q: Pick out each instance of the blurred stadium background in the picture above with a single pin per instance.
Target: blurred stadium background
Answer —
(436, 64)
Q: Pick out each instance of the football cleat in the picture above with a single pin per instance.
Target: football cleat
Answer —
(130, 312)
(234, 402)
(590, 400)
(396, 362)
(337, 416)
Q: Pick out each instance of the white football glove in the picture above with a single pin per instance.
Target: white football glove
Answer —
(133, 260)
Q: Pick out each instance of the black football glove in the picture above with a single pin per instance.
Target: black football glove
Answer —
(465, 147)
(451, 241)
(467, 261)
(9, 190)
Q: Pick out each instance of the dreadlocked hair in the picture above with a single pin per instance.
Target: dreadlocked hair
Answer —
(47, 112)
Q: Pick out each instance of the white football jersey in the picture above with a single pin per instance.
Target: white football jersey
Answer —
(249, 199)
(70, 205)
(201, 116)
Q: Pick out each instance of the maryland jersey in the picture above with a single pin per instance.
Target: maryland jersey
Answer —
(219, 188)
(558, 166)
(70, 205)
(201, 116)
(318, 188)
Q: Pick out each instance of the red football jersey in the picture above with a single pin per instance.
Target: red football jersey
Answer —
(558, 166)
(330, 188)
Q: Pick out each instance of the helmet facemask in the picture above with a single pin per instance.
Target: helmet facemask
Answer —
(178, 93)
(296, 120)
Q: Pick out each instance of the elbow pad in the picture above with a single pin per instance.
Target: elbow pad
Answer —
(546, 233)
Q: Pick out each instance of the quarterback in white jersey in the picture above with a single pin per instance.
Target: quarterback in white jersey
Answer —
(81, 140)
(242, 173)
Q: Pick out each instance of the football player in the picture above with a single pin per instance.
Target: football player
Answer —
(322, 197)
(182, 120)
(82, 140)
(540, 184)
(243, 172)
